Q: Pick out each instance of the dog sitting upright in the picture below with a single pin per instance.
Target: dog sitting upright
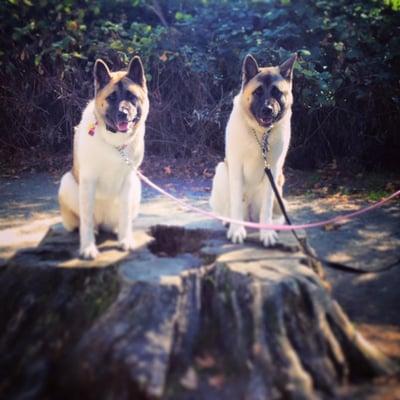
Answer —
(102, 191)
(240, 187)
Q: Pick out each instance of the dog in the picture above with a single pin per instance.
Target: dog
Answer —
(102, 190)
(240, 188)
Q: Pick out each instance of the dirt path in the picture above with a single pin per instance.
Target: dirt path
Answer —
(28, 206)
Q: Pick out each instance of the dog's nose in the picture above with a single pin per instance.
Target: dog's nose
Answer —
(267, 110)
(122, 115)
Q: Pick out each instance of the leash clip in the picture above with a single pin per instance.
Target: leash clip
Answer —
(267, 165)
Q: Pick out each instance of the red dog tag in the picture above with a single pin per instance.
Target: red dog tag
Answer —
(92, 129)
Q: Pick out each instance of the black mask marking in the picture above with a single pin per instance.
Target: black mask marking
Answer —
(123, 107)
(268, 104)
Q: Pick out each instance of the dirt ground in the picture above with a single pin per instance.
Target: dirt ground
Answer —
(28, 206)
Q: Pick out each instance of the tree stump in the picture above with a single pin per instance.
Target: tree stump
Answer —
(187, 315)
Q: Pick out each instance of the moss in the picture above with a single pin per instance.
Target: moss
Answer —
(46, 312)
(99, 295)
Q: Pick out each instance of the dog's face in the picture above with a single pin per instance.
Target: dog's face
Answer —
(267, 92)
(121, 97)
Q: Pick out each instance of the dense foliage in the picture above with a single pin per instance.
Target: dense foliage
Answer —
(347, 95)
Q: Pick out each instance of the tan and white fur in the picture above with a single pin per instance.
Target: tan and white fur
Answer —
(102, 191)
(241, 189)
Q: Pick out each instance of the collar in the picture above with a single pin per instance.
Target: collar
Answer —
(122, 149)
(264, 144)
(93, 125)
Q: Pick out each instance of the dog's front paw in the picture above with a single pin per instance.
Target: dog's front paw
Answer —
(126, 244)
(268, 238)
(89, 252)
(236, 233)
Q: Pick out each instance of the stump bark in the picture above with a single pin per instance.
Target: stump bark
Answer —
(185, 316)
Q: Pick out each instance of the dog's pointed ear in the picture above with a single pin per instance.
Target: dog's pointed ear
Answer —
(136, 71)
(102, 74)
(249, 69)
(286, 68)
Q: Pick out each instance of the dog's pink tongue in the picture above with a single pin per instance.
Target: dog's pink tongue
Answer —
(122, 126)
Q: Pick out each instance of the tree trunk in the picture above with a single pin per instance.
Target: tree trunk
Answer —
(185, 316)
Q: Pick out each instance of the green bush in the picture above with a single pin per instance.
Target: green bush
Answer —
(347, 96)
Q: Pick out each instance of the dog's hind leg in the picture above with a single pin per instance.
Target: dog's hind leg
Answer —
(219, 199)
(68, 198)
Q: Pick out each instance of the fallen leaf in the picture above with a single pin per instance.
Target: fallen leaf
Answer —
(257, 349)
(164, 57)
(334, 226)
(207, 173)
(390, 187)
(206, 361)
(216, 381)
(189, 380)
(167, 170)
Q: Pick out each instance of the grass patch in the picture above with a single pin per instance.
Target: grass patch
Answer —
(376, 195)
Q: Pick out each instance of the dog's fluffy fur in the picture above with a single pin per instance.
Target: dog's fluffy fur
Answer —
(102, 191)
(240, 188)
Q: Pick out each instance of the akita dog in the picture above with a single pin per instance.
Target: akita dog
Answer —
(240, 188)
(103, 191)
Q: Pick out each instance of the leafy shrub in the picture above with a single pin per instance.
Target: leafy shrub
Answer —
(347, 97)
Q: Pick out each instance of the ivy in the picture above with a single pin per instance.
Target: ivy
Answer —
(346, 79)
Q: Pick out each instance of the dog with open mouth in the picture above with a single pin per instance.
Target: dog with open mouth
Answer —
(240, 188)
(102, 190)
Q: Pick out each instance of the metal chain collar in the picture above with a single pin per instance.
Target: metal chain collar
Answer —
(264, 146)
(122, 150)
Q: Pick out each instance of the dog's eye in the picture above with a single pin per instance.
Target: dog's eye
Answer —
(112, 97)
(275, 92)
(259, 91)
(130, 97)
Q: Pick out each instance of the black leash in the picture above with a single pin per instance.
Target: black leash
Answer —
(314, 261)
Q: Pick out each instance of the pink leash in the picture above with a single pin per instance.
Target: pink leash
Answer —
(275, 227)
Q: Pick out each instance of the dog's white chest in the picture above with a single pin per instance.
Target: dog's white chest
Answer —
(103, 164)
(111, 171)
(110, 182)
(253, 169)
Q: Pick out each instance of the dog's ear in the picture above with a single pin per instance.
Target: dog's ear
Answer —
(249, 69)
(136, 71)
(286, 68)
(102, 74)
